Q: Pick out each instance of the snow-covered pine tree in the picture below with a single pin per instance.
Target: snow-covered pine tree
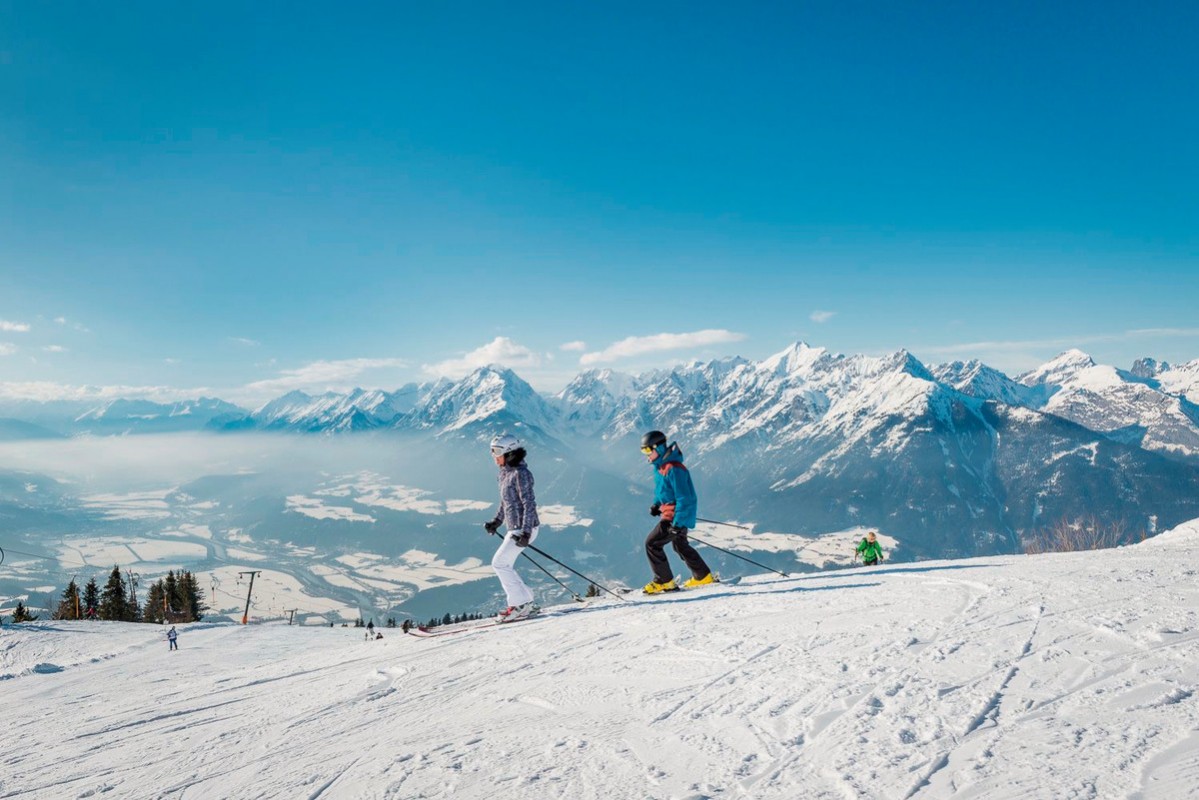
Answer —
(133, 612)
(21, 614)
(91, 596)
(191, 597)
(170, 588)
(69, 606)
(114, 604)
(152, 611)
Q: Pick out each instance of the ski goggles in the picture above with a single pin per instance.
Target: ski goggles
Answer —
(648, 450)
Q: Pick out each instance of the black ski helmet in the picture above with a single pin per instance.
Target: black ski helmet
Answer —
(653, 439)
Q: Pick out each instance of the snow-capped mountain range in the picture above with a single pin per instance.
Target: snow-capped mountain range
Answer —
(1133, 406)
(953, 459)
(117, 416)
(800, 393)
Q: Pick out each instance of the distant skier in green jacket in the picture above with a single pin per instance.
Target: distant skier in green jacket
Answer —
(870, 550)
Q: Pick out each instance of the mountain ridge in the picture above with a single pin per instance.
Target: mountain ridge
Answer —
(956, 458)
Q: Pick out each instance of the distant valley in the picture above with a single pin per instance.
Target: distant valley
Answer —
(370, 502)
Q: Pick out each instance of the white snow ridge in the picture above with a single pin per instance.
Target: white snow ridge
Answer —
(1054, 676)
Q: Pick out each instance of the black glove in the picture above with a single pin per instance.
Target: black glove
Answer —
(491, 527)
(521, 539)
(655, 510)
(679, 533)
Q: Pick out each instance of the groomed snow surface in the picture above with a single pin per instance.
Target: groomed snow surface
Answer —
(1054, 676)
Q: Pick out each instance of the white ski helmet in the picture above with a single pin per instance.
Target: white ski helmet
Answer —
(504, 444)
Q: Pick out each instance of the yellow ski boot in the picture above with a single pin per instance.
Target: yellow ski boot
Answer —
(707, 580)
(657, 588)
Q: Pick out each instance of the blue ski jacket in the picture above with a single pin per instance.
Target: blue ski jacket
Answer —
(673, 489)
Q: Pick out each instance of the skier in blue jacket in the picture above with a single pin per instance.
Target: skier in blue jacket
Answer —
(675, 503)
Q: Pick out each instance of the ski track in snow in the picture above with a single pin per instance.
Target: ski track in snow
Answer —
(1056, 676)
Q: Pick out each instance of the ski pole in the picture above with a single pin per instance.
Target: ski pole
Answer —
(734, 555)
(718, 522)
(573, 593)
(541, 552)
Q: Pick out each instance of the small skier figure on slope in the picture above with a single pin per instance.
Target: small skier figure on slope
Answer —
(518, 511)
(173, 638)
(675, 503)
(870, 550)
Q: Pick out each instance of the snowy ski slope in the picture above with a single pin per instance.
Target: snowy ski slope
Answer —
(1054, 676)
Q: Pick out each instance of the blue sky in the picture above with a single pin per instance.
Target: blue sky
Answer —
(246, 198)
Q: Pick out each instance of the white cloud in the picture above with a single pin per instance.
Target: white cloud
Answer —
(54, 348)
(240, 340)
(640, 345)
(1162, 333)
(7, 349)
(75, 325)
(1064, 342)
(820, 317)
(576, 346)
(170, 362)
(46, 391)
(14, 327)
(500, 350)
(320, 376)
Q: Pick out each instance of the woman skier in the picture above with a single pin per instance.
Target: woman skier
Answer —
(518, 511)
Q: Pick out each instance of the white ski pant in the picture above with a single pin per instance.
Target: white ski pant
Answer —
(502, 562)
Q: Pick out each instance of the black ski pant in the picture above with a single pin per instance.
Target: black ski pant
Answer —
(655, 545)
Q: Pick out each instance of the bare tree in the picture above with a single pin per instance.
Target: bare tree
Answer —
(1082, 533)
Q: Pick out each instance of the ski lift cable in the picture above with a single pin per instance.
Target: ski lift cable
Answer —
(270, 608)
(66, 576)
(47, 558)
(59, 559)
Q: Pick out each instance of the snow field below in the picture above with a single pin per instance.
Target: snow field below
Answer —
(1053, 676)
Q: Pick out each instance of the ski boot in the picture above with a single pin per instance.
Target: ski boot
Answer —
(707, 580)
(513, 613)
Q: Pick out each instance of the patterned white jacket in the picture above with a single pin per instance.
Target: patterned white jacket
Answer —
(518, 506)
